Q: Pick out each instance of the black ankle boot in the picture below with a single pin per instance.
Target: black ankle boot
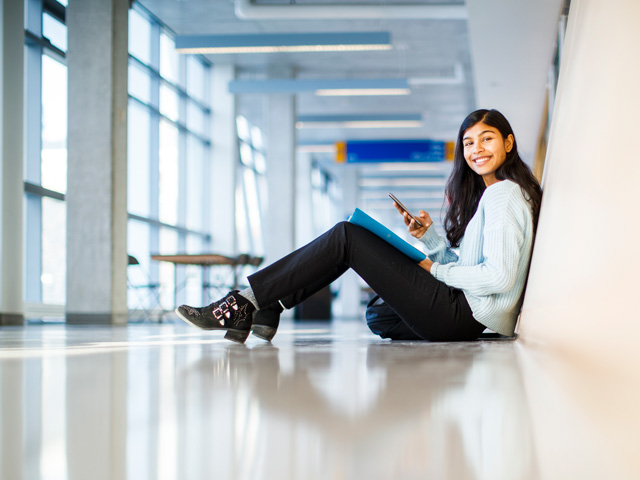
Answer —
(266, 321)
(232, 313)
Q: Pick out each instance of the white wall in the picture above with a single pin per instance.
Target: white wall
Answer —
(583, 297)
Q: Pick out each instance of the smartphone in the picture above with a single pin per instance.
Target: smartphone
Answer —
(401, 205)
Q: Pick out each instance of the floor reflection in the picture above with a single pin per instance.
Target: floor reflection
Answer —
(322, 401)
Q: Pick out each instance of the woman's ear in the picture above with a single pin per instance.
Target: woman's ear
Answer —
(508, 143)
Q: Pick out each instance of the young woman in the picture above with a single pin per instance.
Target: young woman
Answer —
(494, 201)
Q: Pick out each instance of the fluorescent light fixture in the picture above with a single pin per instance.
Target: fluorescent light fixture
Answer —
(408, 195)
(414, 166)
(316, 146)
(359, 121)
(361, 124)
(323, 86)
(402, 182)
(281, 42)
(346, 92)
(316, 149)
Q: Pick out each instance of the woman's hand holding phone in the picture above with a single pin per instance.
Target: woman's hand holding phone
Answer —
(418, 225)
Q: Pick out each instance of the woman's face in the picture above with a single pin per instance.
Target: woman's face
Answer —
(485, 150)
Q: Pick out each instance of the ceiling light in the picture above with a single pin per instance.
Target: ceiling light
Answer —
(414, 166)
(359, 121)
(363, 91)
(292, 42)
(316, 148)
(402, 182)
(322, 86)
(362, 124)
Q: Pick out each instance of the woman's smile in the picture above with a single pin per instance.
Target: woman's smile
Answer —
(479, 161)
(485, 150)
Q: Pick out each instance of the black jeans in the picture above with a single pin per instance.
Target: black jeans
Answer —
(429, 308)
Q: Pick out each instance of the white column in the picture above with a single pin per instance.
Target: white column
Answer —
(224, 151)
(97, 161)
(281, 174)
(350, 287)
(304, 231)
(11, 198)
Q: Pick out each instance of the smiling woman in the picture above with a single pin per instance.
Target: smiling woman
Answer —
(452, 295)
(486, 152)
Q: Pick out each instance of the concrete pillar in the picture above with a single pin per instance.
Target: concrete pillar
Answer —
(350, 288)
(97, 162)
(11, 197)
(281, 173)
(224, 151)
(304, 232)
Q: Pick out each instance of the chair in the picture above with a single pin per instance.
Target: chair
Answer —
(150, 303)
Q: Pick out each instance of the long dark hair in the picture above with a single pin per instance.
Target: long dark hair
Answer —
(465, 187)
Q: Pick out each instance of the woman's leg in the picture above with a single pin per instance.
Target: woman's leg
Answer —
(430, 308)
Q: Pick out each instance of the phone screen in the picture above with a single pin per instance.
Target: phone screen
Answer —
(401, 205)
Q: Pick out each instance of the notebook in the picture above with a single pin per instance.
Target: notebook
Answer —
(365, 221)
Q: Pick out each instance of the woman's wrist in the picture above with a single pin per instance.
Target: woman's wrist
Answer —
(426, 264)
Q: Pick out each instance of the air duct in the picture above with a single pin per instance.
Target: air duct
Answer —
(247, 10)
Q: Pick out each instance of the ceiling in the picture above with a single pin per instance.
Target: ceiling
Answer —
(498, 52)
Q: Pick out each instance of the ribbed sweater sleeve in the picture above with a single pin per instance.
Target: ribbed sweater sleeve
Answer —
(492, 265)
(436, 248)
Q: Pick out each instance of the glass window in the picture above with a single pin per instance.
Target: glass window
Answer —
(253, 209)
(138, 238)
(251, 201)
(196, 119)
(54, 31)
(260, 162)
(54, 125)
(168, 245)
(169, 60)
(193, 286)
(243, 129)
(139, 37)
(195, 187)
(54, 258)
(168, 153)
(242, 223)
(138, 161)
(168, 185)
(256, 138)
(169, 102)
(246, 154)
(196, 78)
(139, 83)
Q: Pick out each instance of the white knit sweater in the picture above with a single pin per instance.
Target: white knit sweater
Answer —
(492, 265)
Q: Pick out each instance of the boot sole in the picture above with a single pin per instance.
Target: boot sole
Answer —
(264, 332)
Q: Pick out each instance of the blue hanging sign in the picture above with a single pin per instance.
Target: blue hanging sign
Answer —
(354, 151)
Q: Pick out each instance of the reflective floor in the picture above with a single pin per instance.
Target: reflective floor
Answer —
(323, 401)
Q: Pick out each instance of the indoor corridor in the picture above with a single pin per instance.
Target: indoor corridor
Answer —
(323, 401)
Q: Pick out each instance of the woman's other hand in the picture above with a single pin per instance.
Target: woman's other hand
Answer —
(413, 228)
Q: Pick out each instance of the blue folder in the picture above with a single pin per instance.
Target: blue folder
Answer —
(365, 221)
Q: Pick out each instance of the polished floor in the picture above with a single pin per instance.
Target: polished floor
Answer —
(323, 401)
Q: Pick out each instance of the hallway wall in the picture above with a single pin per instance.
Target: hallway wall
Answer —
(583, 297)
